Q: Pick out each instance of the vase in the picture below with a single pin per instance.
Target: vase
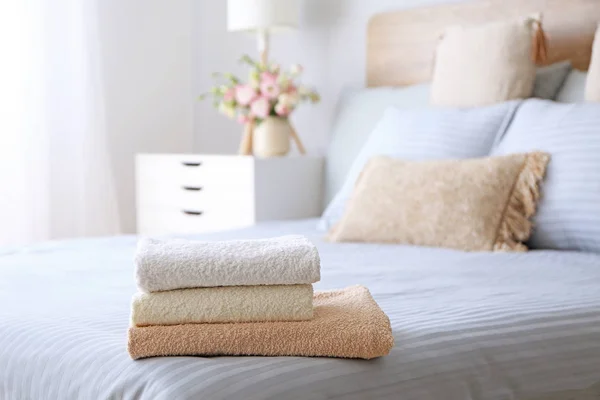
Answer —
(271, 138)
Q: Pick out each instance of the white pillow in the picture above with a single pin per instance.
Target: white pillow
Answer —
(592, 87)
(425, 134)
(484, 64)
(358, 112)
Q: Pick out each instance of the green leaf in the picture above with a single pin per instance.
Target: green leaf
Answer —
(232, 78)
(246, 59)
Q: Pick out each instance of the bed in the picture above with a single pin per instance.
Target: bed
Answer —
(466, 325)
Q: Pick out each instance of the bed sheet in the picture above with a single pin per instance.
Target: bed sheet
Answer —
(466, 326)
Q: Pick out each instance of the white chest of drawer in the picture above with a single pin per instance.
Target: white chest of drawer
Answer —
(181, 193)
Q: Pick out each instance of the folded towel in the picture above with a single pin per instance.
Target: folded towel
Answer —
(347, 323)
(223, 304)
(177, 263)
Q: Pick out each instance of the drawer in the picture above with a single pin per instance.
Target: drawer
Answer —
(196, 170)
(163, 220)
(152, 193)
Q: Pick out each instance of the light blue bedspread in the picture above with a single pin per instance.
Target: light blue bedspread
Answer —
(466, 325)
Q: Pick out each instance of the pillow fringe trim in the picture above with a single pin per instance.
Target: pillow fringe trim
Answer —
(516, 226)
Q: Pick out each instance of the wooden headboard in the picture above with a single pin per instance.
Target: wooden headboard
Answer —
(401, 44)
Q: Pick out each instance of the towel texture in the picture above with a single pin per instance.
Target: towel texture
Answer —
(223, 304)
(347, 323)
(177, 263)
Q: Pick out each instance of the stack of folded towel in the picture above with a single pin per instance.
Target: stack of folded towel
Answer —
(251, 297)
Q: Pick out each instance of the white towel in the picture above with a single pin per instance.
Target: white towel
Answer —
(177, 264)
(223, 304)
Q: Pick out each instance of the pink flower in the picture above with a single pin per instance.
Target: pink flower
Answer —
(269, 90)
(244, 94)
(267, 77)
(229, 94)
(282, 110)
(260, 107)
(268, 85)
(292, 89)
(243, 119)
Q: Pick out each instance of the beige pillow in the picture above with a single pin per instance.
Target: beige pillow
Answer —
(486, 64)
(478, 204)
(592, 85)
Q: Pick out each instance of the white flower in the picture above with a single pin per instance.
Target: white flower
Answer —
(287, 100)
(282, 110)
(296, 69)
(274, 67)
(303, 91)
(284, 82)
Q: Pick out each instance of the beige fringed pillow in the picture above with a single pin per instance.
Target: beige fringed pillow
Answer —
(479, 204)
(491, 63)
(592, 84)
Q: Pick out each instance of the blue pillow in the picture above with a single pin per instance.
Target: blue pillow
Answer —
(568, 216)
(425, 134)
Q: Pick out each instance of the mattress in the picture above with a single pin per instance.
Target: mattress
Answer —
(466, 326)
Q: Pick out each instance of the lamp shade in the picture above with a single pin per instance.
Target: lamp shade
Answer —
(263, 15)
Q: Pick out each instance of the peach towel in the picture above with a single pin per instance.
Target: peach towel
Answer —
(347, 323)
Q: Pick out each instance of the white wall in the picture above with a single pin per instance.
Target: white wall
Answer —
(331, 46)
(146, 52)
(158, 56)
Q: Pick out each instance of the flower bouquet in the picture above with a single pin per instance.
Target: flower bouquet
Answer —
(263, 103)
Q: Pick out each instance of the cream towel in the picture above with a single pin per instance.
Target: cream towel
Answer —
(347, 323)
(178, 264)
(223, 304)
